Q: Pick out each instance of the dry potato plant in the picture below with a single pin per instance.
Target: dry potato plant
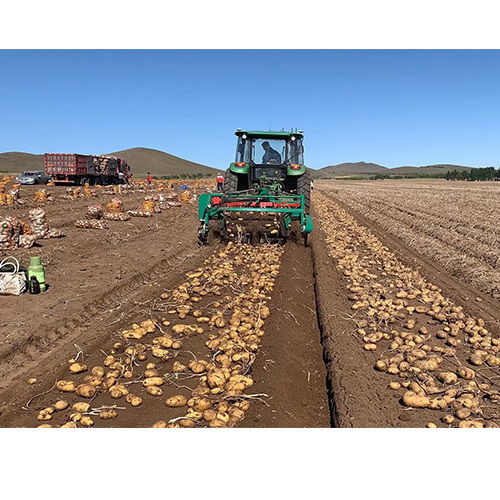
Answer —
(438, 357)
(455, 224)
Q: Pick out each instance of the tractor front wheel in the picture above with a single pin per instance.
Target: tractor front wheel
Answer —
(230, 182)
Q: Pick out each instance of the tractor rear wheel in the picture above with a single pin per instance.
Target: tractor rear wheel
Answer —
(304, 187)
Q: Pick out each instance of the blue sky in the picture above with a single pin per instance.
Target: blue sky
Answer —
(391, 107)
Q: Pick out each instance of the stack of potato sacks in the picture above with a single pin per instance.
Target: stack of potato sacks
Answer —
(93, 219)
(15, 233)
(114, 210)
(148, 208)
(11, 197)
(40, 226)
(41, 196)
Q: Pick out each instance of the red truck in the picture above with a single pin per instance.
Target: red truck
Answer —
(79, 169)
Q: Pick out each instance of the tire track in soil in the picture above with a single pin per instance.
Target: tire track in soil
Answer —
(357, 394)
(289, 366)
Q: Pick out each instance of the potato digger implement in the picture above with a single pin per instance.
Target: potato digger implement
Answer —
(266, 193)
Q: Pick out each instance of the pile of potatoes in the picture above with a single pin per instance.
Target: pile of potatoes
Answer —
(423, 335)
(236, 283)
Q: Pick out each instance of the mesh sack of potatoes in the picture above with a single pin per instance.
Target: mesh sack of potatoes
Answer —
(6, 199)
(91, 224)
(41, 196)
(148, 206)
(139, 213)
(115, 206)
(118, 216)
(94, 212)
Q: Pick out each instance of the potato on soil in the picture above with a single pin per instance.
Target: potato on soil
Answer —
(466, 373)
(176, 401)
(463, 413)
(187, 423)
(81, 407)
(209, 415)
(236, 413)
(61, 405)
(92, 380)
(217, 423)
(194, 415)
(154, 390)
(109, 360)
(161, 424)
(216, 378)
(470, 424)
(199, 403)
(243, 405)
(75, 416)
(448, 378)
(86, 390)
(44, 415)
(153, 381)
(108, 413)
(178, 367)
(414, 400)
(86, 421)
(159, 352)
(77, 368)
(117, 391)
(136, 401)
(163, 341)
(66, 385)
(108, 382)
(98, 371)
(196, 367)
(177, 344)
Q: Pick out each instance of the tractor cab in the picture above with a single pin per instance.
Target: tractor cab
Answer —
(269, 156)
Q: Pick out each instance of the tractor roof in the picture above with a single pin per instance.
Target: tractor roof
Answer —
(269, 134)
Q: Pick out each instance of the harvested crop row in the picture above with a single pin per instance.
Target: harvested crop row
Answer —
(451, 235)
(438, 358)
(190, 366)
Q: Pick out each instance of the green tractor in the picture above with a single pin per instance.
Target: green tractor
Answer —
(266, 195)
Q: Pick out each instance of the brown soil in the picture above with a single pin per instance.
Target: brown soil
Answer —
(359, 394)
(103, 281)
(310, 369)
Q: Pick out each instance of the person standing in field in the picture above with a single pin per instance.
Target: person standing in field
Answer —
(149, 178)
(220, 182)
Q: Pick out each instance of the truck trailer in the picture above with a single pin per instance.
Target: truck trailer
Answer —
(77, 169)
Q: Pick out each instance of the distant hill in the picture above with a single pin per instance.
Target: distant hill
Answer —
(362, 169)
(18, 162)
(141, 161)
(344, 169)
(430, 169)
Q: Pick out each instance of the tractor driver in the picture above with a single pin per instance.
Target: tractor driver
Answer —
(270, 155)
